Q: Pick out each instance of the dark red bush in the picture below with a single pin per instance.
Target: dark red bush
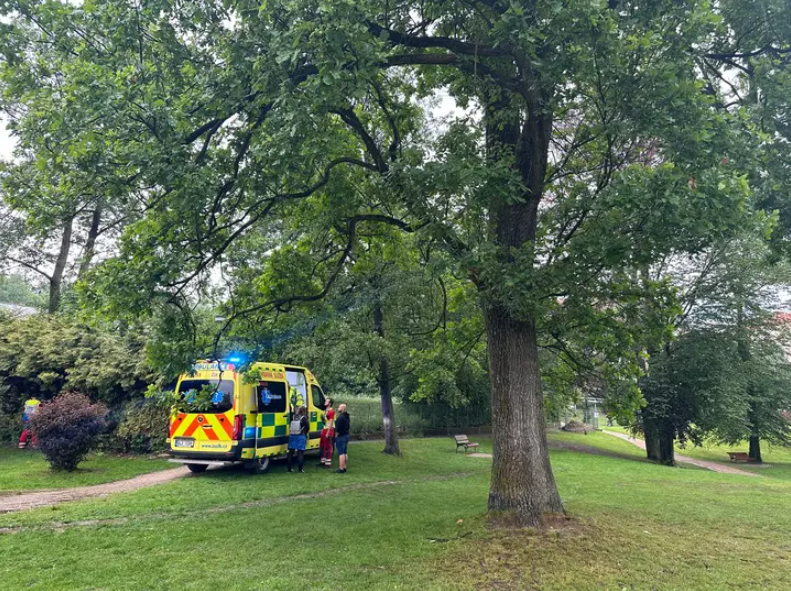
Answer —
(68, 428)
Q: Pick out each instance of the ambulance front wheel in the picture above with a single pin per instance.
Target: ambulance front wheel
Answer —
(197, 468)
(259, 465)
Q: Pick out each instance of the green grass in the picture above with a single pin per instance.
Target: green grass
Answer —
(592, 442)
(617, 429)
(597, 440)
(26, 470)
(416, 522)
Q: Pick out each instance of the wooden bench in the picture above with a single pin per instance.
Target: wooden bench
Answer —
(739, 456)
(462, 441)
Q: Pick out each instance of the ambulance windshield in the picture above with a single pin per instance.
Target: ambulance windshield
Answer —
(220, 395)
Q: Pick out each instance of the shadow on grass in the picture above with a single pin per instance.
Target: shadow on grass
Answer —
(590, 449)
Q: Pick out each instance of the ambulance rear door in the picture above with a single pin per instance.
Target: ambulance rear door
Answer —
(272, 418)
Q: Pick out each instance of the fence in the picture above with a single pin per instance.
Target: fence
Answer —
(415, 419)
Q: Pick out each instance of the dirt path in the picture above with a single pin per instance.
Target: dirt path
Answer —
(713, 466)
(31, 500)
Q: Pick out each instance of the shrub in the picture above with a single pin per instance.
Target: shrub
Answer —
(10, 427)
(144, 426)
(68, 428)
(45, 354)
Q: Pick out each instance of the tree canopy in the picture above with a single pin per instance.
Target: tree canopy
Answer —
(262, 142)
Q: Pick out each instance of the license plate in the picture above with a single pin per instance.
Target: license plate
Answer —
(185, 442)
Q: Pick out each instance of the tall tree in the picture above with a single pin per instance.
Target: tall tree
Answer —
(726, 375)
(14, 289)
(593, 149)
(58, 204)
(385, 304)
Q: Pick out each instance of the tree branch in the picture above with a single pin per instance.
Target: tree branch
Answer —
(29, 266)
(454, 45)
(350, 118)
(736, 55)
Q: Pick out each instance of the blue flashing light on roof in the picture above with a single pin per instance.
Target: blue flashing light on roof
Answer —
(235, 359)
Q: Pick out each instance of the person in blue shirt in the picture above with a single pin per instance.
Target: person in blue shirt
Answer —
(298, 438)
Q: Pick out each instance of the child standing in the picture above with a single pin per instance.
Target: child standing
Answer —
(31, 406)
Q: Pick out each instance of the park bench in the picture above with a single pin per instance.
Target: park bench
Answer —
(462, 441)
(739, 456)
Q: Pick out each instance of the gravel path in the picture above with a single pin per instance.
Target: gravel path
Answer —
(31, 500)
(713, 466)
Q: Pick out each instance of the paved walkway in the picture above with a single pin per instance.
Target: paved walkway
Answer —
(31, 500)
(713, 466)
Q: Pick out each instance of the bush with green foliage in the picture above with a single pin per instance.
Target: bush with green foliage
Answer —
(68, 428)
(143, 427)
(44, 354)
(16, 290)
(10, 426)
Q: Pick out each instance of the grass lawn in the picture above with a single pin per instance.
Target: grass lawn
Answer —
(26, 470)
(596, 440)
(416, 522)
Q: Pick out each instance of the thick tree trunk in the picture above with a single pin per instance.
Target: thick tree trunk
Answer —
(90, 243)
(659, 437)
(755, 449)
(743, 345)
(657, 429)
(56, 280)
(523, 486)
(388, 412)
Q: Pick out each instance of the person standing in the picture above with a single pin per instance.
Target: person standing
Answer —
(328, 435)
(297, 399)
(342, 426)
(31, 406)
(298, 438)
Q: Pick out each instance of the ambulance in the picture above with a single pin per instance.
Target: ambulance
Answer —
(248, 419)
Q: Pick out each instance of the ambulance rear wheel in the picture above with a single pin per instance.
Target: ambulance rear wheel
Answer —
(259, 465)
(197, 468)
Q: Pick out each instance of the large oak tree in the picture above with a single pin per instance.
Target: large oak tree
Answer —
(589, 148)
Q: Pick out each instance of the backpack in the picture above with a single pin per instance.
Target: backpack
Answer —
(296, 427)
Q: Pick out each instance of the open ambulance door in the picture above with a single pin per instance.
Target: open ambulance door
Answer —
(271, 421)
(297, 380)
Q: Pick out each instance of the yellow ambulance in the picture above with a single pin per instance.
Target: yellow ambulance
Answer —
(248, 416)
